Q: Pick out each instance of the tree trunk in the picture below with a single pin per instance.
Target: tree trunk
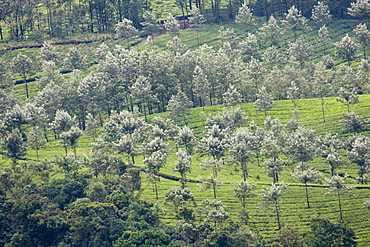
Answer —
(26, 85)
(183, 181)
(155, 187)
(37, 154)
(119, 10)
(245, 171)
(307, 198)
(323, 108)
(133, 159)
(303, 166)
(278, 216)
(340, 207)
(267, 13)
(214, 191)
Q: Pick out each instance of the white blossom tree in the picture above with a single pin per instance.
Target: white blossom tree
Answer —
(348, 97)
(254, 75)
(244, 16)
(321, 85)
(202, 86)
(231, 97)
(210, 182)
(271, 197)
(244, 190)
(171, 25)
(323, 35)
(197, 20)
(264, 101)
(302, 146)
(363, 36)
(321, 13)
(301, 50)
(74, 59)
(24, 66)
(153, 165)
(294, 21)
(179, 197)
(176, 46)
(228, 35)
(272, 148)
(62, 122)
(127, 145)
(346, 49)
(360, 154)
(50, 72)
(294, 93)
(179, 106)
(49, 53)
(270, 33)
(186, 138)
(274, 166)
(337, 188)
(150, 25)
(142, 94)
(102, 51)
(307, 176)
(241, 151)
(212, 211)
(360, 8)
(70, 138)
(249, 47)
(183, 165)
(335, 161)
(126, 30)
(352, 123)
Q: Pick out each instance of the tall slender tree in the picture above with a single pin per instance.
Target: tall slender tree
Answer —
(295, 22)
(271, 197)
(264, 101)
(338, 188)
(307, 176)
(197, 19)
(363, 36)
(243, 190)
(126, 30)
(23, 65)
(183, 165)
(346, 49)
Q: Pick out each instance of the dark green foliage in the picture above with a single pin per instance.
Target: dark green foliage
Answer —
(149, 238)
(36, 222)
(14, 146)
(289, 237)
(326, 234)
(91, 224)
(5, 226)
(64, 191)
(121, 200)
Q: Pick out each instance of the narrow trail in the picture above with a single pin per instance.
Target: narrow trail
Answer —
(144, 42)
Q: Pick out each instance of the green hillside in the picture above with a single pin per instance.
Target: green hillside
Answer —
(105, 89)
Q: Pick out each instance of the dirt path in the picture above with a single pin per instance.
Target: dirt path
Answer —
(144, 42)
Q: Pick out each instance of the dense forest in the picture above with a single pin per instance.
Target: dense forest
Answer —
(34, 19)
(241, 130)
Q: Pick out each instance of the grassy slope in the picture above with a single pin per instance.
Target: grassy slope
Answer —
(294, 211)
